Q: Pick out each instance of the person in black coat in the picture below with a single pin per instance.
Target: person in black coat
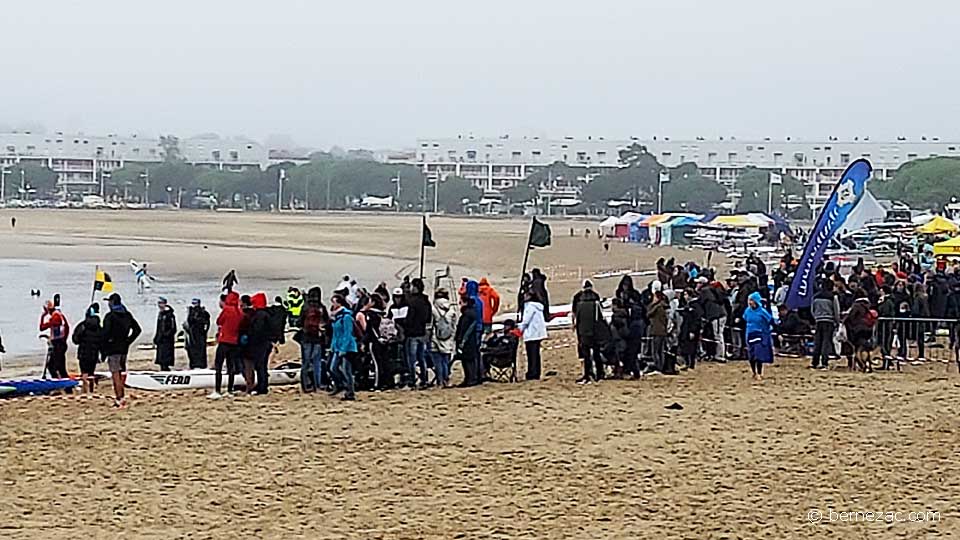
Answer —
(467, 339)
(538, 286)
(165, 336)
(637, 313)
(197, 328)
(88, 337)
(691, 326)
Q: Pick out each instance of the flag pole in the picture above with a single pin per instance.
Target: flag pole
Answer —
(423, 251)
(523, 271)
(93, 293)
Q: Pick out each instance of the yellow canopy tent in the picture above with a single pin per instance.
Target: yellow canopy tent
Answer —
(949, 247)
(938, 225)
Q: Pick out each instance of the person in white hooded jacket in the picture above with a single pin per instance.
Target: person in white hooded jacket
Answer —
(534, 328)
(443, 331)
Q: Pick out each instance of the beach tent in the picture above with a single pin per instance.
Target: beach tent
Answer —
(867, 211)
(651, 224)
(622, 227)
(675, 232)
(736, 222)
(938, 225)
(950, 247)
(608, 226)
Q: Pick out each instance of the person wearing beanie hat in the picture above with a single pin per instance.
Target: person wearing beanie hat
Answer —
(587, 318)
(120, 330)
(87, 337)
(658, 316)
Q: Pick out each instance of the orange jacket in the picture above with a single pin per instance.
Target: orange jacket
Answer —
(491, 301)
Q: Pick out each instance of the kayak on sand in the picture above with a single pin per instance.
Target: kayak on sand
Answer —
(201, 379)
(36, 387)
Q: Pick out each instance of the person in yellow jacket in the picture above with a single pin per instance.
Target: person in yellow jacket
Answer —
(294, 305)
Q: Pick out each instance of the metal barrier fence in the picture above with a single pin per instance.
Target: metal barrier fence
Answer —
(895, 341)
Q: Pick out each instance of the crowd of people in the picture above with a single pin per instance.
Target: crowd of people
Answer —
(403, 339)
(684, 316)
(688, 314)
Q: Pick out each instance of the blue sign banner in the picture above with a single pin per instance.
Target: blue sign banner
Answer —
(845, 197)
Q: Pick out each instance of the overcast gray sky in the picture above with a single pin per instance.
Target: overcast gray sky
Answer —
(380, 73)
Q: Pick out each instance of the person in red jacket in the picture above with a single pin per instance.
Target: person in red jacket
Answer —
(491, 304)
(228, 341)
(54, 321)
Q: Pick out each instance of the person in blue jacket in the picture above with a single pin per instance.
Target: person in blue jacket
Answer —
(759, 335)
(342, 345)
(472, 291)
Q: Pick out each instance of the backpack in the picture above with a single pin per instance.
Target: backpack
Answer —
(870, 319)
(442, 328)
(389, 331)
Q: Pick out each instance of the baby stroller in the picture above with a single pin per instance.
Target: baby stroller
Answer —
(499, 354)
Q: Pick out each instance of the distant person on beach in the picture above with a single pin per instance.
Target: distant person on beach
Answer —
(197, 328)
(313, 337)
(443, 336)
(294, 305)
(534, 328)
(230, 281)
(246, 364)
(538, 285)
(53, 320)
(491, 304)
(826, 314)
(164, 338)
(469, 333)
(13, 223)
(228, 342)
(657, 314)
(143, 278)
(759, 332)
(416, 324)
(343, 345)
(259, 343)
(120, 330)
(88, 337)
(586, 313)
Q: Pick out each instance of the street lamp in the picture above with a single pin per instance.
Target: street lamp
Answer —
(775, 180)
(103, 176)
(664, 178)
(281, 176)
(145, 176)
(3, 184)
(169, 196)
(397, 180)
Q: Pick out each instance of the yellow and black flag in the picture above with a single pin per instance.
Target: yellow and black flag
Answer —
(102, 282)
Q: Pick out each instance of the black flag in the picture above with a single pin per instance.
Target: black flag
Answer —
(539, 234)
(427, 240)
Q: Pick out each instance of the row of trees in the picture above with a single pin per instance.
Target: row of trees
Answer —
(31, 177)
(924, 183)
(324, 183)
(687, 190)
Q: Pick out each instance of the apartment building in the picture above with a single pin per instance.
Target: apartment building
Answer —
(80, 161)
(494, 164)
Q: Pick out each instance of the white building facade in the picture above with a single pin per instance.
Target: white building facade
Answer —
(494, 164)
(80, 161)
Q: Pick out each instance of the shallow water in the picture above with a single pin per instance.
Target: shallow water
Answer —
(20, 313)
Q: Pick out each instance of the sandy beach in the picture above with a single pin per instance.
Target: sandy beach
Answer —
(547, 459)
